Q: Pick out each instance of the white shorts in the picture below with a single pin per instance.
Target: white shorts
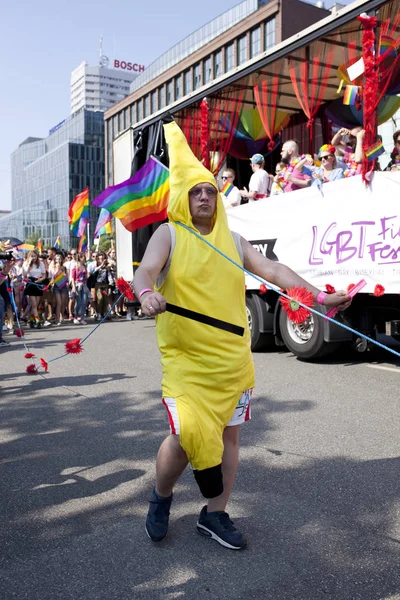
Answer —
(241, 414)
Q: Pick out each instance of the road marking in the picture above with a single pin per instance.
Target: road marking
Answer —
(393, 369)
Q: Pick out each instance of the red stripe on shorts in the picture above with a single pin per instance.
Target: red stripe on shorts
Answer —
(170, 419)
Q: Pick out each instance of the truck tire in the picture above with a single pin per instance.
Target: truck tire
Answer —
(307, 339)
(259, 339)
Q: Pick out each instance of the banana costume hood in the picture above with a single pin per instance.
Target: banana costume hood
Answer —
(205, 369)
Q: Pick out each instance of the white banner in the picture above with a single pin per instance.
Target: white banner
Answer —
(339, 235)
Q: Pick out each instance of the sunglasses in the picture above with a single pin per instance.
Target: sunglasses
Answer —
(325, 157)
(226, 176)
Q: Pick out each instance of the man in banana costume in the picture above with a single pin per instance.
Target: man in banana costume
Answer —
(208, 373)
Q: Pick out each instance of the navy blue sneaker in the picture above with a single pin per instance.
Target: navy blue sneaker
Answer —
(158, 517)
(218, 526)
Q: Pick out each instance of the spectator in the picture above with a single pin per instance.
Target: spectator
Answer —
(113, 291)
(79, 286)
(69, 265)
(59, 277)
(4, 274)
(278, 184)
(101, 285)
(295, 176)
(329, 170)
(17, 283)
(260, 181)
(349, 147)
(91, 266)
(34, 269)
(232, 197)
(394, 164)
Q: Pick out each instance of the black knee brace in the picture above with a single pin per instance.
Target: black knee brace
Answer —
(210, 481)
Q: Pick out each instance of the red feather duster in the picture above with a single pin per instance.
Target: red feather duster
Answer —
(263, 289)
(295, 312)
(29, 355)
(19, 333)
(379, 290)
(125, 289)
(74, 346)
(329, 289)
(31, 369)
(44, 365)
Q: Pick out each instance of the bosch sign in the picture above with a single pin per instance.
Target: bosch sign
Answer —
(121, 64)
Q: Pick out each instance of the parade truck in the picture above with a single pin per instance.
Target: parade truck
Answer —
(333, 236)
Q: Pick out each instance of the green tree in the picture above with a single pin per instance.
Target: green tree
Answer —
(33, 239)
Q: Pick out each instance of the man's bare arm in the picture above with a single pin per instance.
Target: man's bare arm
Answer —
(153, 262)
(283, 277)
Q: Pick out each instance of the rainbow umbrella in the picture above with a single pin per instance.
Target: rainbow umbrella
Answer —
(349, 117)
(25, 247)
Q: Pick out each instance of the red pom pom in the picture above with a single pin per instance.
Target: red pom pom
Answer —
(379, 290)
(29, 355)
(74, 346)
(329, 289)
(124, 287)
(31, 369)
(45, 288)
(295, 312)
(19, 333)
(263, 289)
(350, 286)
(44, 365)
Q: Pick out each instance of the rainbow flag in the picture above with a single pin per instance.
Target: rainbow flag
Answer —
(140, 200)
(226, 190)
(60, 280)
(350, 95)
(39, 246)
(57, 243)
(104, 223)
(78, 213)
(375, 150)
(385, 43)
(83, 244)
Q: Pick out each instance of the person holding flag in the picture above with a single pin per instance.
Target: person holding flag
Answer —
(230, 194)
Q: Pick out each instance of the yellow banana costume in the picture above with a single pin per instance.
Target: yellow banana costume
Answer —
(205, 369)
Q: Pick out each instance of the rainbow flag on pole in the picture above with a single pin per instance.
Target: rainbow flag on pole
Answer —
(374, 151)
(83, 243)
(350, 95)
(39, 246)
(57, 243)
(140, 200)
(104, 223)
(60, 280)
(78, 213)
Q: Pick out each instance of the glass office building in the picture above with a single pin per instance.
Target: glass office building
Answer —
(46, 175)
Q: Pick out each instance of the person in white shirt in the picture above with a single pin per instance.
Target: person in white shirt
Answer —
(230, 194)
(35, 271)
(260, 181)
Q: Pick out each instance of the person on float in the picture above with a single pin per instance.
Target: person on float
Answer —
(296, 174)
(232, 196)
(260, 182)
(329, 169)
(208, 373)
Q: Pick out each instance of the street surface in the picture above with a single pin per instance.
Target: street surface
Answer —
(317, 493)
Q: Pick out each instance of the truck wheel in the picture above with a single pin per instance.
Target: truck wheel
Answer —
(305, 340)
(259, 340)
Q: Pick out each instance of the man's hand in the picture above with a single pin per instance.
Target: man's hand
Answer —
(340, 300)
(153, 303)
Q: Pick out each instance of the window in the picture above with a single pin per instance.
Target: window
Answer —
(120, 122)
(161, 97)
(242, 49)
(133, 114)
(229, 57)
(255, 42)
(140, 109)
(127, 119)
(187, 81)
(153, 106)
(207, 70)
(146, 110)
(178, 87)
(218, 63)
(270, 27)
(169, 92)
(196, 76)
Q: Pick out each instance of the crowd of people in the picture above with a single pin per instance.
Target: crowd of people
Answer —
(339, 159)
(59, 287)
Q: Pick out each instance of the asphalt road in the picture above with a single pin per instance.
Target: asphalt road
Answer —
(317, 493)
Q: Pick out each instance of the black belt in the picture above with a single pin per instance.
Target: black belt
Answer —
(206, 319)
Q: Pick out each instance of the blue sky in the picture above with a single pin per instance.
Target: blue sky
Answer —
(43, 41)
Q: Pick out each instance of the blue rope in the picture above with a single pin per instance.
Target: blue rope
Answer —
(277, 290)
